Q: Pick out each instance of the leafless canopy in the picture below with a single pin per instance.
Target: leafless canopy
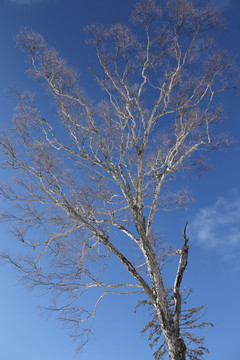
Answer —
(92, 176)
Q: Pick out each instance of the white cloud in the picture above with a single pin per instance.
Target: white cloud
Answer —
(25, 2)
(218, 225)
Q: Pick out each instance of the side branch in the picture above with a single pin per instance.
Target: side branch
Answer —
(181, 268)
(131, 269)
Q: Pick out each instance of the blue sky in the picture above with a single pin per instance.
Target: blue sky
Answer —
(214, 218)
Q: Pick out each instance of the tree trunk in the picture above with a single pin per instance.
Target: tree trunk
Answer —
(171, 332)
(176, 348)
(175, 343)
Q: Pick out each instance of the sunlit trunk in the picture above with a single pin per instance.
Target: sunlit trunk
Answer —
(176, 349)
(171, 332)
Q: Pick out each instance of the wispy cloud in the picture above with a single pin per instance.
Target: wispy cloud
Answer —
(222, 4)
(25, 2)
(218, 225)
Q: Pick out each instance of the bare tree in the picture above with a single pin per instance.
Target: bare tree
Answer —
(92, 176)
